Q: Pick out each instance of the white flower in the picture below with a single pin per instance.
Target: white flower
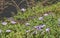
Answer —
(23, 9)
(40, 18)
(0, 30)
(4, 23)
(13, 22)
(47, 29)
(46, 14)
(8, 30)
(27, 24)
(28, 31)
(43, 25)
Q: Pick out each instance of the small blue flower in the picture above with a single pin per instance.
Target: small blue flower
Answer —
(47, 29)
(43, 25)
(4, 23)
(39, 27)
(40, 18)
(8, 30)
(13, 22)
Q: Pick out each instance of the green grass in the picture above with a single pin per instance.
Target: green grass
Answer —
(19, 30)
